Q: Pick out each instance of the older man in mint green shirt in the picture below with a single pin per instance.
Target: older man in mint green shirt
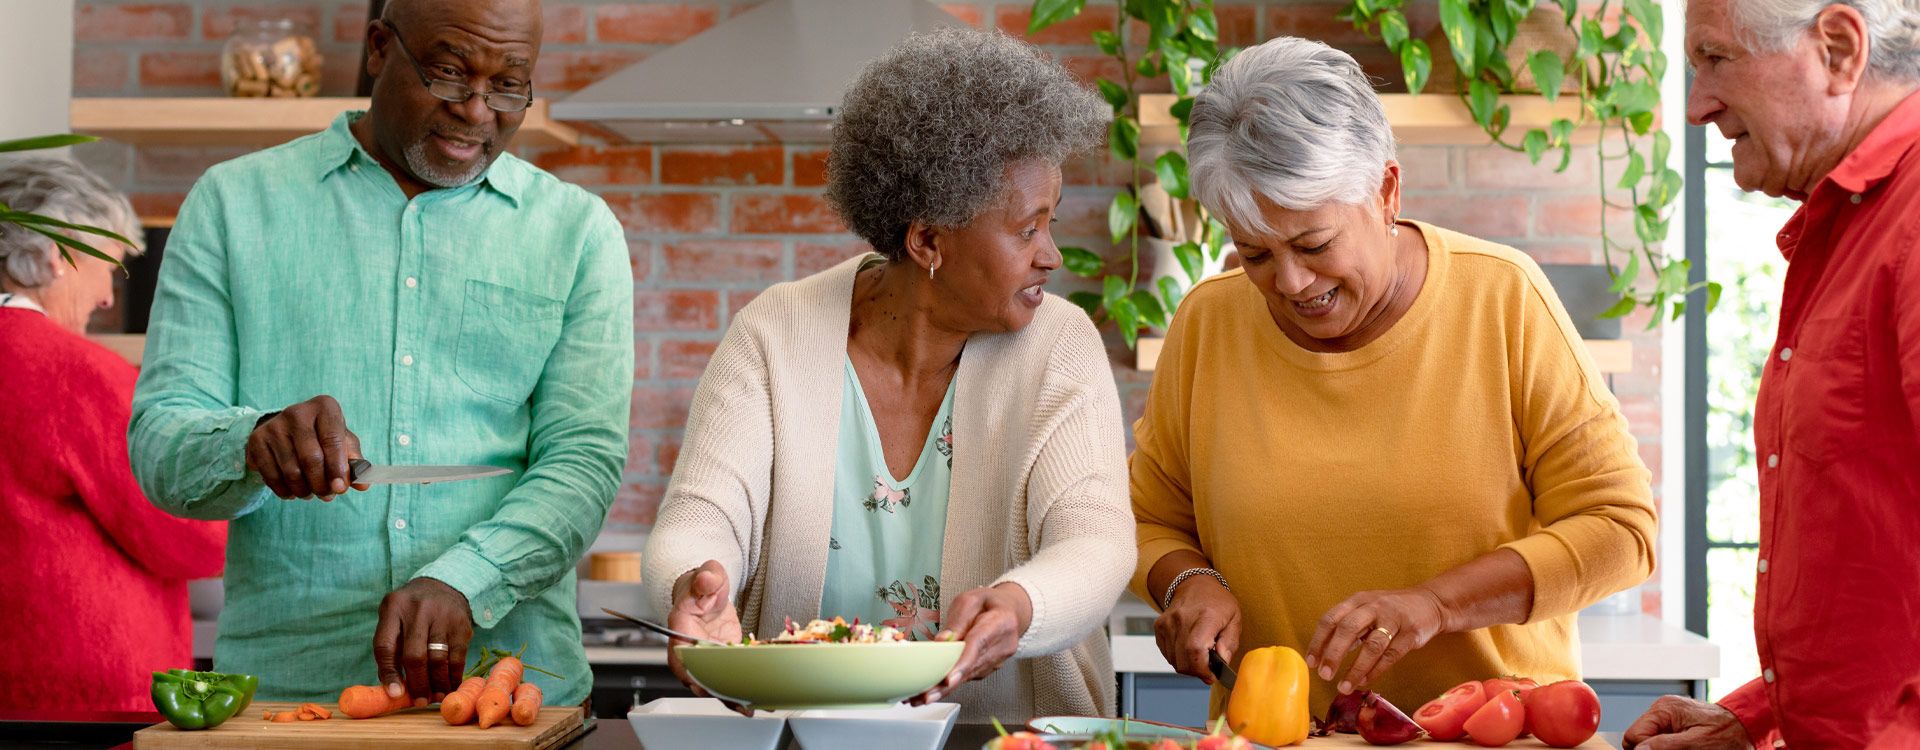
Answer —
(486, 322)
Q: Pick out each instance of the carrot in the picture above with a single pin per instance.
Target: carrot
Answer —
(285, 717)
(458, 707)
(526, 704)
(497, 698)
(319, 711)
(368, 701)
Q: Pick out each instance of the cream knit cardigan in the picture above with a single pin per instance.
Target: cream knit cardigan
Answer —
(1039, 494)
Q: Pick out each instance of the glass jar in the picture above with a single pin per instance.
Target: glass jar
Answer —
(270, 58)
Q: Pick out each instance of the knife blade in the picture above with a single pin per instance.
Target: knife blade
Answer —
(364, 472)
(1221, 671)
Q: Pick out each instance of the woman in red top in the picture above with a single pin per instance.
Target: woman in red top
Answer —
(96, 591)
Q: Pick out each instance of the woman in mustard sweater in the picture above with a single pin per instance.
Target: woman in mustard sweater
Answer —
(1380, 442)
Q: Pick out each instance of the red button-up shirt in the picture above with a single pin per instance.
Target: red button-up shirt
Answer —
(1837, 607)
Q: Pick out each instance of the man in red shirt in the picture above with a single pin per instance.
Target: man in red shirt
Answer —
(1820, 101)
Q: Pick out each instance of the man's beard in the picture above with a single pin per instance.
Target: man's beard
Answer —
(424, 168)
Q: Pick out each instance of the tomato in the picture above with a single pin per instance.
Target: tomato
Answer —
(1498, 722)
(1222, 742)
(1021, 741)
(1167, 744)
(1445, 717)
(1563, 714)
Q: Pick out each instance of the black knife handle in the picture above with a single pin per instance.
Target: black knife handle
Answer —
(356, 467)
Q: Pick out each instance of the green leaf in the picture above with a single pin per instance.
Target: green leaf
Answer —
(1635, 98)
(1148, 67)
(1171, 169)
(1500, 21)
(1657, 65)
(1713, 295)
(1481, 99)
(1548, 71)
(1109, 42)
(1620, 309)
(1457, 20)
(1535, 142)
(1087, 301)
(1485, 51)
(1124, 138)
(1180, 76)
(1188, 254)
(1082, 262)
(1202, 23)
(1127, 318)
(1115, 94)
(1182, 109)
(1049, 12)
(1662, 145)
(1669, 188)
(1562, 131)
(1621, 40)
(1566, 157)
(1121, 216)
(1635, 170)
(1501, 118)
(1646, 224)
(1679, 309)
(45, 141)
(1148, 307)
(1591, 35)
(1112, 289)
(1417, 61)
(1673, 278)
(1641, 123)
(25, 218)
(66, 243)
(1393, 28)
(1648, 14)
(1624, 281)
(1569, 10)
(1171, 293)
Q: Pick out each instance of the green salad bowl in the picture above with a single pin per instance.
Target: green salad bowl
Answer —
(777, 677)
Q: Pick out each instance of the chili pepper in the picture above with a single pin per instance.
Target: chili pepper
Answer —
(201, 700)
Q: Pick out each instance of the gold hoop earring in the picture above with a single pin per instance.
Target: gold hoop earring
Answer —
(929, 273)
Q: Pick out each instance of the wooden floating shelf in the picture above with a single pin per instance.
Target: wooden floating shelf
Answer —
(227, 121)
(1613, 356)
(1430, 119)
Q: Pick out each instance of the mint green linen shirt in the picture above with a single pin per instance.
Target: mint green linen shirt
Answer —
(486, 324)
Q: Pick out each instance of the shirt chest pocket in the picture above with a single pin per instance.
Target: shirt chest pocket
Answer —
(1824, 405)
(505, 338)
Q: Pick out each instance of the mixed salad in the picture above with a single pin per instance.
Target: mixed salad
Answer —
(1220, 739)
(836, 630)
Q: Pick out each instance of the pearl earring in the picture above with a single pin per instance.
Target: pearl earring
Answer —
(1395, 231)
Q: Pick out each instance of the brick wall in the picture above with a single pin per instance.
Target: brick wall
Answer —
(711, 226)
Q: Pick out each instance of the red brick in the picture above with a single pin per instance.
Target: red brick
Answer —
(683, 213)
(1567, 253)
(652, 24)
(1088, 68)
(667, 454)
(1315, 20)
(1099, 169)
(1239, 25)
(1083, 216)
(181, 70)
(810, 167)
(1642, 412)
(636, 504)
(120, 23)
(563, 24)
(1425, 167)
(738, 299)
(722, 260)
(1487, 216)
(642, 359)
(965, 12)
(350, 22)
(640, 259)
(685, 360)
(340, 70)
(1578, 215)
(600, 165)
(1498, 168)
(149, 206)
(219, 22)
(560, 72)
(783, 214)
(810, 258)
(722, 165)
(640, 453)
(676, 310)
(1077, 30)
(100, 69)
(179, 165)
(661, 406)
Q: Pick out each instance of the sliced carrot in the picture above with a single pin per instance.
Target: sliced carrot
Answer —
(493, 707)
(526, 704)
(285, 717)
(368, 701)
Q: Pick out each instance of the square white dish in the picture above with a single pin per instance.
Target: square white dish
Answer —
(897, 728)
(677, 723)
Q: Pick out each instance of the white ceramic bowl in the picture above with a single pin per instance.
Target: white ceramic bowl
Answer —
(897, 728)
(675, 723)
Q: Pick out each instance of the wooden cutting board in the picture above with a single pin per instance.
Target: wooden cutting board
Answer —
(1527, 743)
(413, 728)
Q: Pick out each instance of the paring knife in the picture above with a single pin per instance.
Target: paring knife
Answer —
(1221, 671)
(364, 472)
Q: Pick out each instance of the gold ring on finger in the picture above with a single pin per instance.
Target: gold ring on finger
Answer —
(1385, 632)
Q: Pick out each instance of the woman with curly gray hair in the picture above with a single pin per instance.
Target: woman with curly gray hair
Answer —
(921, 437)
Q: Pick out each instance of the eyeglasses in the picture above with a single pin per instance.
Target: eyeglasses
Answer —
(457, 92)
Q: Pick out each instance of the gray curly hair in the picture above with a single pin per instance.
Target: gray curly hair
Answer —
(1292, 120)
(927, 131)
(1893, 28)
(58, 189)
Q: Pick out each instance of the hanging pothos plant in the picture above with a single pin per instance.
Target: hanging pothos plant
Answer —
(1183, 44)
(49, 227)
(1617, 79)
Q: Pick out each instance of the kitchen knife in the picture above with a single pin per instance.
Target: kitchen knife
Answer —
(1221, 671)
(364, 472)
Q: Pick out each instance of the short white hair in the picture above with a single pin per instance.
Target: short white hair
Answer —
(58, 189)
(1292, 120)
(1893, 29)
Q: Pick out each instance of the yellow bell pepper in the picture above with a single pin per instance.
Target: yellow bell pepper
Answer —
(1269, 700)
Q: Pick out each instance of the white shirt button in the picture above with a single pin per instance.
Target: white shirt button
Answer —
(406, 440)
(400, 523)
(487, 614)
(1763, 565)
(1773, 460)
(1767, 675)
(413, 208)
(412, 282)
(1786, 354)
(407, 360)
(354, 168)
(1856, 199)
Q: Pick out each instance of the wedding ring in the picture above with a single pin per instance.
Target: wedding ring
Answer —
(436, 647)
(1385, 632)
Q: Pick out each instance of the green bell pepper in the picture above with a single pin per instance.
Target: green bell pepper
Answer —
(201, 700)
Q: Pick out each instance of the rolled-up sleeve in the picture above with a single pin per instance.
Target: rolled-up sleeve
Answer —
(188, 437)
(1592, 496)
(577, 445)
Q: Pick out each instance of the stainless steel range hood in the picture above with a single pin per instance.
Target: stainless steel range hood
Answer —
(776, 72)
